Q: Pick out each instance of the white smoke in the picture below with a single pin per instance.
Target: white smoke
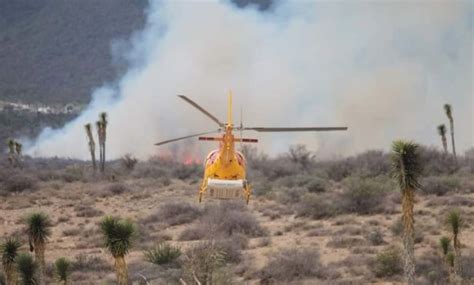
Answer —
(383, 69)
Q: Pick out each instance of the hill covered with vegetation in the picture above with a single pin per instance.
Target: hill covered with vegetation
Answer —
(55, 51)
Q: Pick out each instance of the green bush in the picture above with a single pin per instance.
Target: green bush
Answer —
(162, 253)
(316, 206)
(439, 185)
(364, 195)
(388, 262)
(19, 183)
(292, 264)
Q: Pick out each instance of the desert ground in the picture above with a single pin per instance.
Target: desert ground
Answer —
(308, 222)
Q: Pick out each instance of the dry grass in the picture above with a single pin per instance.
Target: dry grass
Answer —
(313, 210)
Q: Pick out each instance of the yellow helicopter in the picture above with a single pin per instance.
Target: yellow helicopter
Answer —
(225, 167)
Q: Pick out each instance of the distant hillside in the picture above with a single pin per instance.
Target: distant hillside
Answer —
(56, 51)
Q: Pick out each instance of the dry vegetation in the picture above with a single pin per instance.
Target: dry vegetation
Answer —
(319, 222)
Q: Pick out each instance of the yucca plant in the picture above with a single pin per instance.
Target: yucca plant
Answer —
(442, 134)
(406, 170)
(39, 231)
(449, 113)
(444, 243)
(27, 268)
(62, 266)
(162, 253)
(454, 222)
(118, 237)
(90, 137)
(9, 250)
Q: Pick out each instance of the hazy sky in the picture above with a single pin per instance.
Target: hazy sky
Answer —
(382, 68)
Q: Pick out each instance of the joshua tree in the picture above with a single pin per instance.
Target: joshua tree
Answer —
(9, 251)
(102, 134)
(118, 236)
(449, 114)
(442, 133)
(38, 229)
(11, 152)
(454, 223)
(27, 268)
(62, 268)
(99, 127)
(88, 128)
(406, 170)
(18, 152)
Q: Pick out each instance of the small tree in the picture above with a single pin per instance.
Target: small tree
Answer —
(90, 137)
(299, 154)
(63, 268)
(27, 268)
(39, 231)
(118, 236)
(406, 170)
(454, 222)
(9, 251)
(442, 134)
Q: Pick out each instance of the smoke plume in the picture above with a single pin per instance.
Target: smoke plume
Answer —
(382, 69)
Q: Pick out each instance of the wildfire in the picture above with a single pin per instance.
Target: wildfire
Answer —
(187, 155)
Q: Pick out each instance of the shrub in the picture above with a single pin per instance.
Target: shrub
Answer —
(397, 227)
(292, 264)
(397, 230)
(116, 189)
(316, 206)
(128, 162)
(261, 188)
(73, 173)
(148, 170)
(432, 268)
(232, 218)
(364, 196)
(176, 213)
(439, 185)
(19, 183)
(467, 263)
(232, 247)
(345, 242)
(183, 171)
(223, 221)
(87, 211)
(206, 263)
(316, 185)
(290, 195)
(193, 233)
(388, 262)
(89, 263)
(162, 253)
(375, 237)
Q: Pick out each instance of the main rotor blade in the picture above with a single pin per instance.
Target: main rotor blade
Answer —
(304, 129)
(195, 105)
(186, 137)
